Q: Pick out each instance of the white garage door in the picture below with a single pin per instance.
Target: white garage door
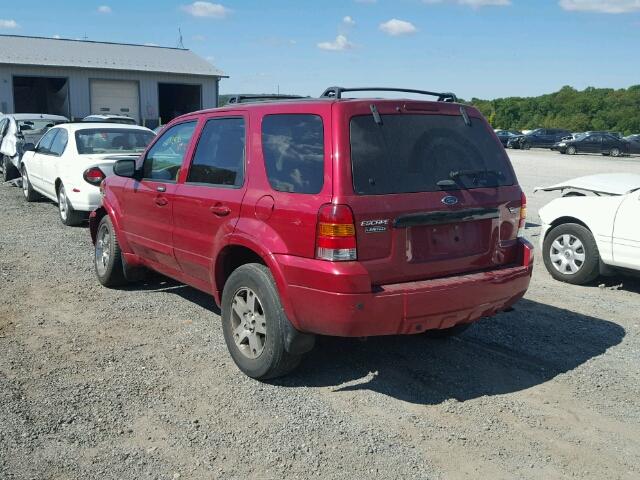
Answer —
(115, 97)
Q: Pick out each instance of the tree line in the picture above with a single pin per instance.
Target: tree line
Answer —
(578, 111)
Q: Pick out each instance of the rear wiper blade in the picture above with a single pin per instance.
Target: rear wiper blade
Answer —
(448, 183)
(473, 173)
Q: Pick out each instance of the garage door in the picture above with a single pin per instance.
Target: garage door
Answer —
(115, 97)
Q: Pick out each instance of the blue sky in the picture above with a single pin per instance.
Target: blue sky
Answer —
(476, 48)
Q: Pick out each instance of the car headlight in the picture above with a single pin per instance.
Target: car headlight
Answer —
(562, 144)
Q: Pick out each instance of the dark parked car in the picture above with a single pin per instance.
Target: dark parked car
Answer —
(634, 143)
(506, 135)
(594, 143)
(540, 138)
(287, 214)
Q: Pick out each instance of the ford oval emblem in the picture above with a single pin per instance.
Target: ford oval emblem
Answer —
(450, 200)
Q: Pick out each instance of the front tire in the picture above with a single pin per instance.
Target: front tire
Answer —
(108, 262)
(525, 146)
(571, 255)
(614, 152)
(68, 215)
(254, 323)
(571, 150)
(29, 193)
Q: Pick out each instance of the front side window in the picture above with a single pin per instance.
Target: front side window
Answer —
(219, 156)
(59, 143)
(165, 158)
(44, 146)
(293, 150)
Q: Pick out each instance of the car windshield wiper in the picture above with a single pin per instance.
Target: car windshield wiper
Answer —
(474, 173)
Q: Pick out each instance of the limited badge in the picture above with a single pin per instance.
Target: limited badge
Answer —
(374, 226)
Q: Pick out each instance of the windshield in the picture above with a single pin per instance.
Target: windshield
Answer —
(102, 140)
(36, 125)
(423, 153)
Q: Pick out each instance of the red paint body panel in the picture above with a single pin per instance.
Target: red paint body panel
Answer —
(393, 287)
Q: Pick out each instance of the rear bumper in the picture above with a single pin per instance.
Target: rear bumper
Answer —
(412, 307)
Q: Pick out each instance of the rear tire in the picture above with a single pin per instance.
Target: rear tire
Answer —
(614, 152)
(68, 215)
(447, 332)
(29, 193)
(9, 172)
(107, 259)
(571, 255)
(254, 323)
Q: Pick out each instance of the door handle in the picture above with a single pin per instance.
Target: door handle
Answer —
(161, 201)
(220, 210)
(161, 188)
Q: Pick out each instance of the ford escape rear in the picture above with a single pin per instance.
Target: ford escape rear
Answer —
(331, 216)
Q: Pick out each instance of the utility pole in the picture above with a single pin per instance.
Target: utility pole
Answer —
(180, 43)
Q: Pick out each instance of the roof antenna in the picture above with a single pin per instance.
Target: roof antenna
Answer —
(180, 44)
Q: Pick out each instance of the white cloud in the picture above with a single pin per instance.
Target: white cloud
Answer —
(395, 27)
(104, 9)
(473, 3)
(150, 44)
(340, 43)
(8, 24)
(206, 9)
(56, 36)
(601, 6)
(349, 21)
(199, 38)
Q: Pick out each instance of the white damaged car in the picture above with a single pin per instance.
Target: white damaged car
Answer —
(593, 229)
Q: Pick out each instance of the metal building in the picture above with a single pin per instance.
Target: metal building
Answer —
(76, 78)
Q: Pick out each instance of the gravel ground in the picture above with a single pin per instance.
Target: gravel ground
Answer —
(137, 383)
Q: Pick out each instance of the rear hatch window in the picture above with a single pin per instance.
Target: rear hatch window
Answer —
(424, 153)
(434, 195)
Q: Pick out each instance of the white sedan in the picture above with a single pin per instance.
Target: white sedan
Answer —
(593, 229)
(70, 160)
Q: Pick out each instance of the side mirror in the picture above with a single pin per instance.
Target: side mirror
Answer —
(29, 147)
(125, 168)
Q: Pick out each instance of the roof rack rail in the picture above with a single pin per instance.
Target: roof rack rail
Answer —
(256, 98)
(336, 92)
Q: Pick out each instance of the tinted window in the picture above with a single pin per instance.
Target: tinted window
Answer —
(59, 142)
(36, 125)
(165, 158)
(112, 140)
(412, 153)
(293, 149)
(45, 142)
(219, 156)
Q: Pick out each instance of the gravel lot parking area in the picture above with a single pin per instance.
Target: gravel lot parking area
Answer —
(137, 383)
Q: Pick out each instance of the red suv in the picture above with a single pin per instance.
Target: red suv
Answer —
(329, 216)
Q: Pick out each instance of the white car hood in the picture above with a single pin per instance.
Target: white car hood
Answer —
(606, 183)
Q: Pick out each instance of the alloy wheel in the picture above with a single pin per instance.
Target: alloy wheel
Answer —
(103, 250)
(248, 323)
(63, 204)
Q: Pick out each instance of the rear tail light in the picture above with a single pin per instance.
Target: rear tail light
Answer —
(523, 215)
(336, 234)
(94, 176)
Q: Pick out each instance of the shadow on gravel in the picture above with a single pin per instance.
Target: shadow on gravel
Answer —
(507, 353)
(155, 282)
(627, 283)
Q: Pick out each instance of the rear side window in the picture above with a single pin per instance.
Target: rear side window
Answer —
(293, 150)
(59, 142)
(164, 159)
(424, 153)
(219, 156)
(44, 145)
